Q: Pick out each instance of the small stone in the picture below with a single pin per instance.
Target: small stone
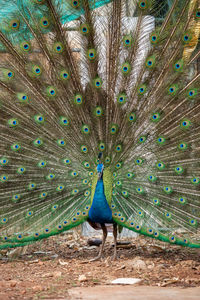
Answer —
(82, 278)
(139, 264)
(47, 275)
(57, 274)
(37, 288)
(13, 283)
(126, 281)
(63, 263)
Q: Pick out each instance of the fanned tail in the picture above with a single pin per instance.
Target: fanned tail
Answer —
(130, 94)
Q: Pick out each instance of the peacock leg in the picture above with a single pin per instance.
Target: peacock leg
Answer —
(115, 241)
(105, 232)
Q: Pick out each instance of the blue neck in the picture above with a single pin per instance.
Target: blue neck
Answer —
(100, 211)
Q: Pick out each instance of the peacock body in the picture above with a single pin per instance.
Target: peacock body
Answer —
(110, 134)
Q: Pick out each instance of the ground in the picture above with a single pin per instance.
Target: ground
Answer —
(51, 268)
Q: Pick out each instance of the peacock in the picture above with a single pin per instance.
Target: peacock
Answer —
(99, 118)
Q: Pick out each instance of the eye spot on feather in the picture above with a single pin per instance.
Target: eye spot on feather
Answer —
(25, 46)
(140, 191)
(59, 227)
(142, 139)
(19, 237)
(36, 71)
(126, 68)
(64, 75)
(150, 231)
(113, 128)
(168, 190)
(51, 91)
(14, 24)
(98, 112)
(132, 117)
(29, 214)
(4, 178)
(65, 223)
(142, 89)
(125, 193)
(84, 28)
(118, 148)
(4, 220)
(127, 41)
(156, 201)
(10, 74)
(97, 83)
(172, 239)
(39, 119)
(74, 174)
(78, 99)
(107, 160)
(179, 170)
(4, 161)
(85, 129)
(143, 4)
(192, 93)
(183, 146)
(139, 161)
(42, 164)
(150, 62)
(193, 222)
(119, 183)
(118, 165)
(43, 195)
(122, 98)
(21, 170)
(152, 178)
(38, 142)
(86, 164)
(60, 188)
(137, 227)
(75, 3)
(87, 193)
(130, 175)
(58, 47)
(66, 161)
(178, 66)
(31, 186)
(195, 180)
(91, 53)
(61, 143)
(155, 117)
(44, 22)
(84, 149)
(161, 141)
(16, 198)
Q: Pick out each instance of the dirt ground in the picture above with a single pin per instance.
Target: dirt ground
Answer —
(48, 269)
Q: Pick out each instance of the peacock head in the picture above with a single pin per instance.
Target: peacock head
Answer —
(100, 168)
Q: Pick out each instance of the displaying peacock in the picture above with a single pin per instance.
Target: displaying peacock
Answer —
(99, 118)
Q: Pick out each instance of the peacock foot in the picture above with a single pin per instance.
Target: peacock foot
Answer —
(99, 257)
(114, 257)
